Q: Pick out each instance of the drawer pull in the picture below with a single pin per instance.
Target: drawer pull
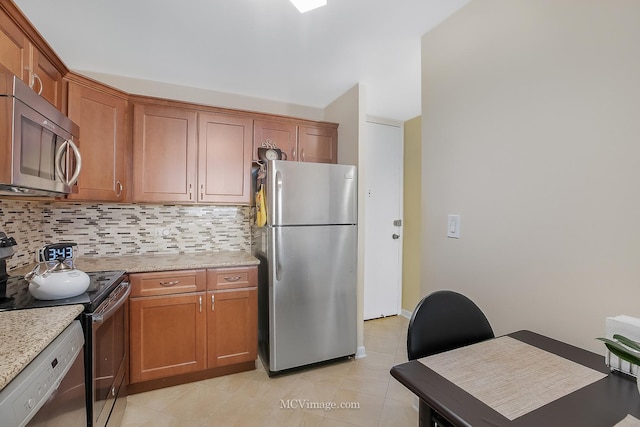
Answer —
(233, 278)
(171, 283)
(213, 298)
(200, 299)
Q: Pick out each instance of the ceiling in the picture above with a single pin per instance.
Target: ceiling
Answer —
(259, 48)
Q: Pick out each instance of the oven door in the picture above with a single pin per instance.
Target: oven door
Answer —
(109, 325)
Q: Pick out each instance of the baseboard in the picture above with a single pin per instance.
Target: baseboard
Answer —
(360, 352)
(406, 313)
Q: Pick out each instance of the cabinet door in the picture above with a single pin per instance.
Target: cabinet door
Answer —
(101, 118)
(45, 78)
(224, 159)
(232, 322)
(14, 48)
(164, 154)
(24, 60)
(318, 144)
(167, 336)
(283, 135)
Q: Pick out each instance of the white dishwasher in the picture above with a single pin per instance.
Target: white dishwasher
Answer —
(50, 390)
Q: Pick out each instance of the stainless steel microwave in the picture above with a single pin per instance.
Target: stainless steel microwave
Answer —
(38, 153)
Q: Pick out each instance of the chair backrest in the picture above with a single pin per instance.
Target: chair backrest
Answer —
(445, 320)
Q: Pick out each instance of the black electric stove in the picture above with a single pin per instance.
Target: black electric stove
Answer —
(15, 295)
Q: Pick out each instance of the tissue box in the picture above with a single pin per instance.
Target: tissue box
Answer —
(630, 328)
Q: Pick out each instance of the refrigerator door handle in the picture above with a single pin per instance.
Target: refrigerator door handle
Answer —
(277, 255)
(278, 199)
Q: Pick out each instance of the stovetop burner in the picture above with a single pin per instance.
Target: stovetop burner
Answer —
(17, 296)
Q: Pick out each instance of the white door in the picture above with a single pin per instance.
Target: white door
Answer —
(383, 159)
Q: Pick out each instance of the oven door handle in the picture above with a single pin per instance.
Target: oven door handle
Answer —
(111, 305)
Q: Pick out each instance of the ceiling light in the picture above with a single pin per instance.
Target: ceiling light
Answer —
(307, 5)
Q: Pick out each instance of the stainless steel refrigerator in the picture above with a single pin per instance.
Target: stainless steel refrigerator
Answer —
(307, 274)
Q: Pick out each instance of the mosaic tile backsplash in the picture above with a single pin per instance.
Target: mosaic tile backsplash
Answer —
(102, 229)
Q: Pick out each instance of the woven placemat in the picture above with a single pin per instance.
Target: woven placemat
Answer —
(510, 376)
(629, 421)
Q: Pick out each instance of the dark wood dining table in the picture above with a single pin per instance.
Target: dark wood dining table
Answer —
(603, 403)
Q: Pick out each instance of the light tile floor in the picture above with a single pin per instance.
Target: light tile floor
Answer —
(254, 399)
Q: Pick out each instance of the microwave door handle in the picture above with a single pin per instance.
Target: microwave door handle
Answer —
(76, 154)
(58, 162)
(60, 167)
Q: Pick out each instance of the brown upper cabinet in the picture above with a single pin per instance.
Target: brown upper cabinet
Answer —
(159, 151)
(102, 120)
(174, 161)
(224, 158)
(303, 142)
(318, 144)
(24, 59)
(165, 153)
(283, 135)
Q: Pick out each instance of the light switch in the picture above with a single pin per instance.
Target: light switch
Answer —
(453, 226)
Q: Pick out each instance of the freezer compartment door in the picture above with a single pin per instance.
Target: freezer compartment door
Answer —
(300, 193)
(312, 295)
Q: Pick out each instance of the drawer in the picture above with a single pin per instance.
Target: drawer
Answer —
(232, 278)
(167, 282)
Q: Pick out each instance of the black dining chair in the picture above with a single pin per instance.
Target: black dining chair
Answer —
(444, 320)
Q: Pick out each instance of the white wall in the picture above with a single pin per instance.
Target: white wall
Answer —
(531, 132)
(349, 112)
(205, 96)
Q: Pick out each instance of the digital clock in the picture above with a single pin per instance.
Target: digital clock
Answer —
(56, 252)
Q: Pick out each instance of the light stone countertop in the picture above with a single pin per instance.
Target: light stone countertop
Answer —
(25, 333)
(159, 262)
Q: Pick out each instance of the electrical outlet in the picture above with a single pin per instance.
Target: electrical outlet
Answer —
(162, 232)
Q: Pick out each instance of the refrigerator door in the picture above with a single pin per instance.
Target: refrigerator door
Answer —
(300, 193)
(312, 294)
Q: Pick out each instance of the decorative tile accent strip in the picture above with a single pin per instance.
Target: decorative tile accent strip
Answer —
(103, 229)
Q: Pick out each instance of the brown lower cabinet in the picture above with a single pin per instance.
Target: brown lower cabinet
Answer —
(233, 314)
(168, 336)
(191, 324)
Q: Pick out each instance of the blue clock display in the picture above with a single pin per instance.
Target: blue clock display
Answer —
(57, 252)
